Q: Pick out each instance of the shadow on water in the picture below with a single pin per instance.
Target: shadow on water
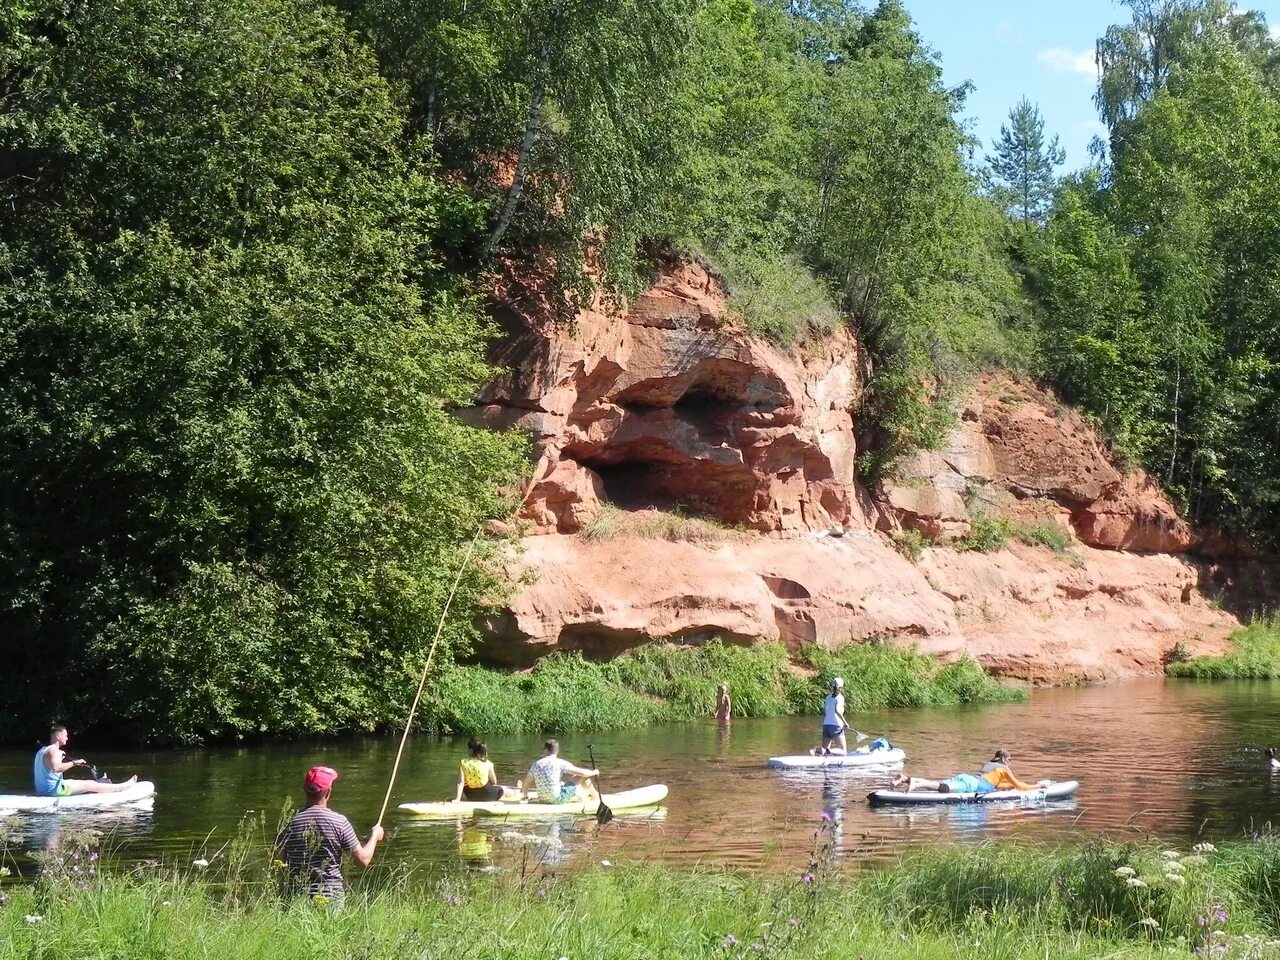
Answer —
(1155, 758)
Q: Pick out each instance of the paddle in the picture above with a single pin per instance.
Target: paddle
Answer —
(603, 813)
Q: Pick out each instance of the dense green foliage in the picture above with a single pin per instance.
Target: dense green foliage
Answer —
(232, 488)
(669, 683)
(1255, 655)
(1157, 273)
(997, 901)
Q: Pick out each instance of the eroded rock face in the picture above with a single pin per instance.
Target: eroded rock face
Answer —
(1019, 452)
(664, 404)
(1022, 612)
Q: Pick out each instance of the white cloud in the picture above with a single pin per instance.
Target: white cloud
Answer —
(1069, 61)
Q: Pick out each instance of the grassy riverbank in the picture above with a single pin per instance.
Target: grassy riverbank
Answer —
(1004, 901)
(1255, 655)
(669, 683)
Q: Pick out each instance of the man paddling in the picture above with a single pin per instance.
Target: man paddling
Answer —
(549, 772)
(51, 763)
(313, 841)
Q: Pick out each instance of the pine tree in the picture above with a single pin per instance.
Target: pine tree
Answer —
(1022, 167)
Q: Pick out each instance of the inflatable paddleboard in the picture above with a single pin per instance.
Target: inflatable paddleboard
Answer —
(1058, 790)
(894, 756)
(141, 792)
(649, 796)
(448, 810)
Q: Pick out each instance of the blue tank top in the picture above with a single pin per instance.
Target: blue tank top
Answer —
(47, 782)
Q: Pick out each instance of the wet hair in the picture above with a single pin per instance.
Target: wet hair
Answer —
(1272, 753)
(1001, 756)
(551, 746)
(478, 748)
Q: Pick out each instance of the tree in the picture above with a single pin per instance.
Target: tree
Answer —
(1023, 164)
(233, 489)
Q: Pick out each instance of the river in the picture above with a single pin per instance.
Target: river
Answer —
(1175, 760)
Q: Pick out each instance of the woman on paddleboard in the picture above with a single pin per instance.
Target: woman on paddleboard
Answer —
(833, 723)
(477, 780)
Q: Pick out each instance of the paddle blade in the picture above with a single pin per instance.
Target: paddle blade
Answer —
(603, 814)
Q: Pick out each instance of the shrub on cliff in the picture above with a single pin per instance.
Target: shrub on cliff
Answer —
(232, 489)
(1255, 655)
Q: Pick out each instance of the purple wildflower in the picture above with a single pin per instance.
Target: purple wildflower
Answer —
(540, 893)
(730, 941)
(806, 878)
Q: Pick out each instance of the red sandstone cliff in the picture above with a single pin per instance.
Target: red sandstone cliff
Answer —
(666, 404)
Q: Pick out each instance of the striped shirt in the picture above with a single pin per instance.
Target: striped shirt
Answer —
(312, 844)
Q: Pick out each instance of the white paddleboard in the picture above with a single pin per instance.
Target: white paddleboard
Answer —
(858, 758)
(447, 809)
(140, 793)
(649, 796)
(1058, 790)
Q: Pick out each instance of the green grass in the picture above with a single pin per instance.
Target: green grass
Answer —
(664, 683)
(1255, 656)
(989, 532)
(675, 525)
(993, 901)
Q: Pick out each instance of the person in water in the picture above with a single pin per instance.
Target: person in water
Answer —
(51, 763)
(994, 775)
(477, 780)
(833, 723)
(1273, 759)
(549, 774)
(313, 841)
(724, 704)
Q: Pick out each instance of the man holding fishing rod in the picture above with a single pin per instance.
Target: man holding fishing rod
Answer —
(312, 843)
(51, 763)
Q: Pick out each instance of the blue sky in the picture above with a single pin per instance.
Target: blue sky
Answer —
(1036, 48)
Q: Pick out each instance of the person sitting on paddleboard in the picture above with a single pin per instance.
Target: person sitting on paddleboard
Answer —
(477, 780)
(549, 772)
(995, 775)
(51, 763)
(833, 723)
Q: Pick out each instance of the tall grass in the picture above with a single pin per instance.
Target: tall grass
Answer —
(995, 901)
(1255, 655)
(663, 683)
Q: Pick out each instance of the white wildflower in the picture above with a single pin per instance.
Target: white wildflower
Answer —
(33, 918)
(1194, 860)
(1151, 922)
(605, 863)
(1135, 882)
(1175, 878)
(200, 864)
(1171, 854)
(1125, 871)
(1204, 848)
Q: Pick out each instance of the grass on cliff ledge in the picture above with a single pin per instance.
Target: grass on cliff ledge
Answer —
(1255, 655)
(993, 901)
(663, 683)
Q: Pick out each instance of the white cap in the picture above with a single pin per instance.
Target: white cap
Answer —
(838, 681)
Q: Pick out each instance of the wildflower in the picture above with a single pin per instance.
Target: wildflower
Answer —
(1204, 848)
(320, 900)
(540, 893)
(730, 941)
(1194, 860)
(1171, 854)
(1135, 882)
(93, 857)
(806, 878)
(1174, 865)
(605, 863)
(1150, 922)
(1125, 871)
(33, 918)
(200, 864)
(1220, 914)
(1175, 877)
(166, 903)
(4, 871)
(4, 898)
(793, 921)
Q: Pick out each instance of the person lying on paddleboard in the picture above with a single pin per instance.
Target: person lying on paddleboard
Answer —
(477, 780)
(549, 774)
(995, 775)
(833, 723)
(51, 763)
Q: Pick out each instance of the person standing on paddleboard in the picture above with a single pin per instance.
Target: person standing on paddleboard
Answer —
(51, 763)
(834, 724)
(313, 841)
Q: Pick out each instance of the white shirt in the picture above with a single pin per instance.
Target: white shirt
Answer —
(834, 705)
(548, 774)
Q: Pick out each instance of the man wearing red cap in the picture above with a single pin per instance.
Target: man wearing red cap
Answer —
(312, 843)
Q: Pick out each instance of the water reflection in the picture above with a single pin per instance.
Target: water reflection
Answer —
(1176, 760)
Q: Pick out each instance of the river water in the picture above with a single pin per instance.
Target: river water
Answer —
(1175, 760)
